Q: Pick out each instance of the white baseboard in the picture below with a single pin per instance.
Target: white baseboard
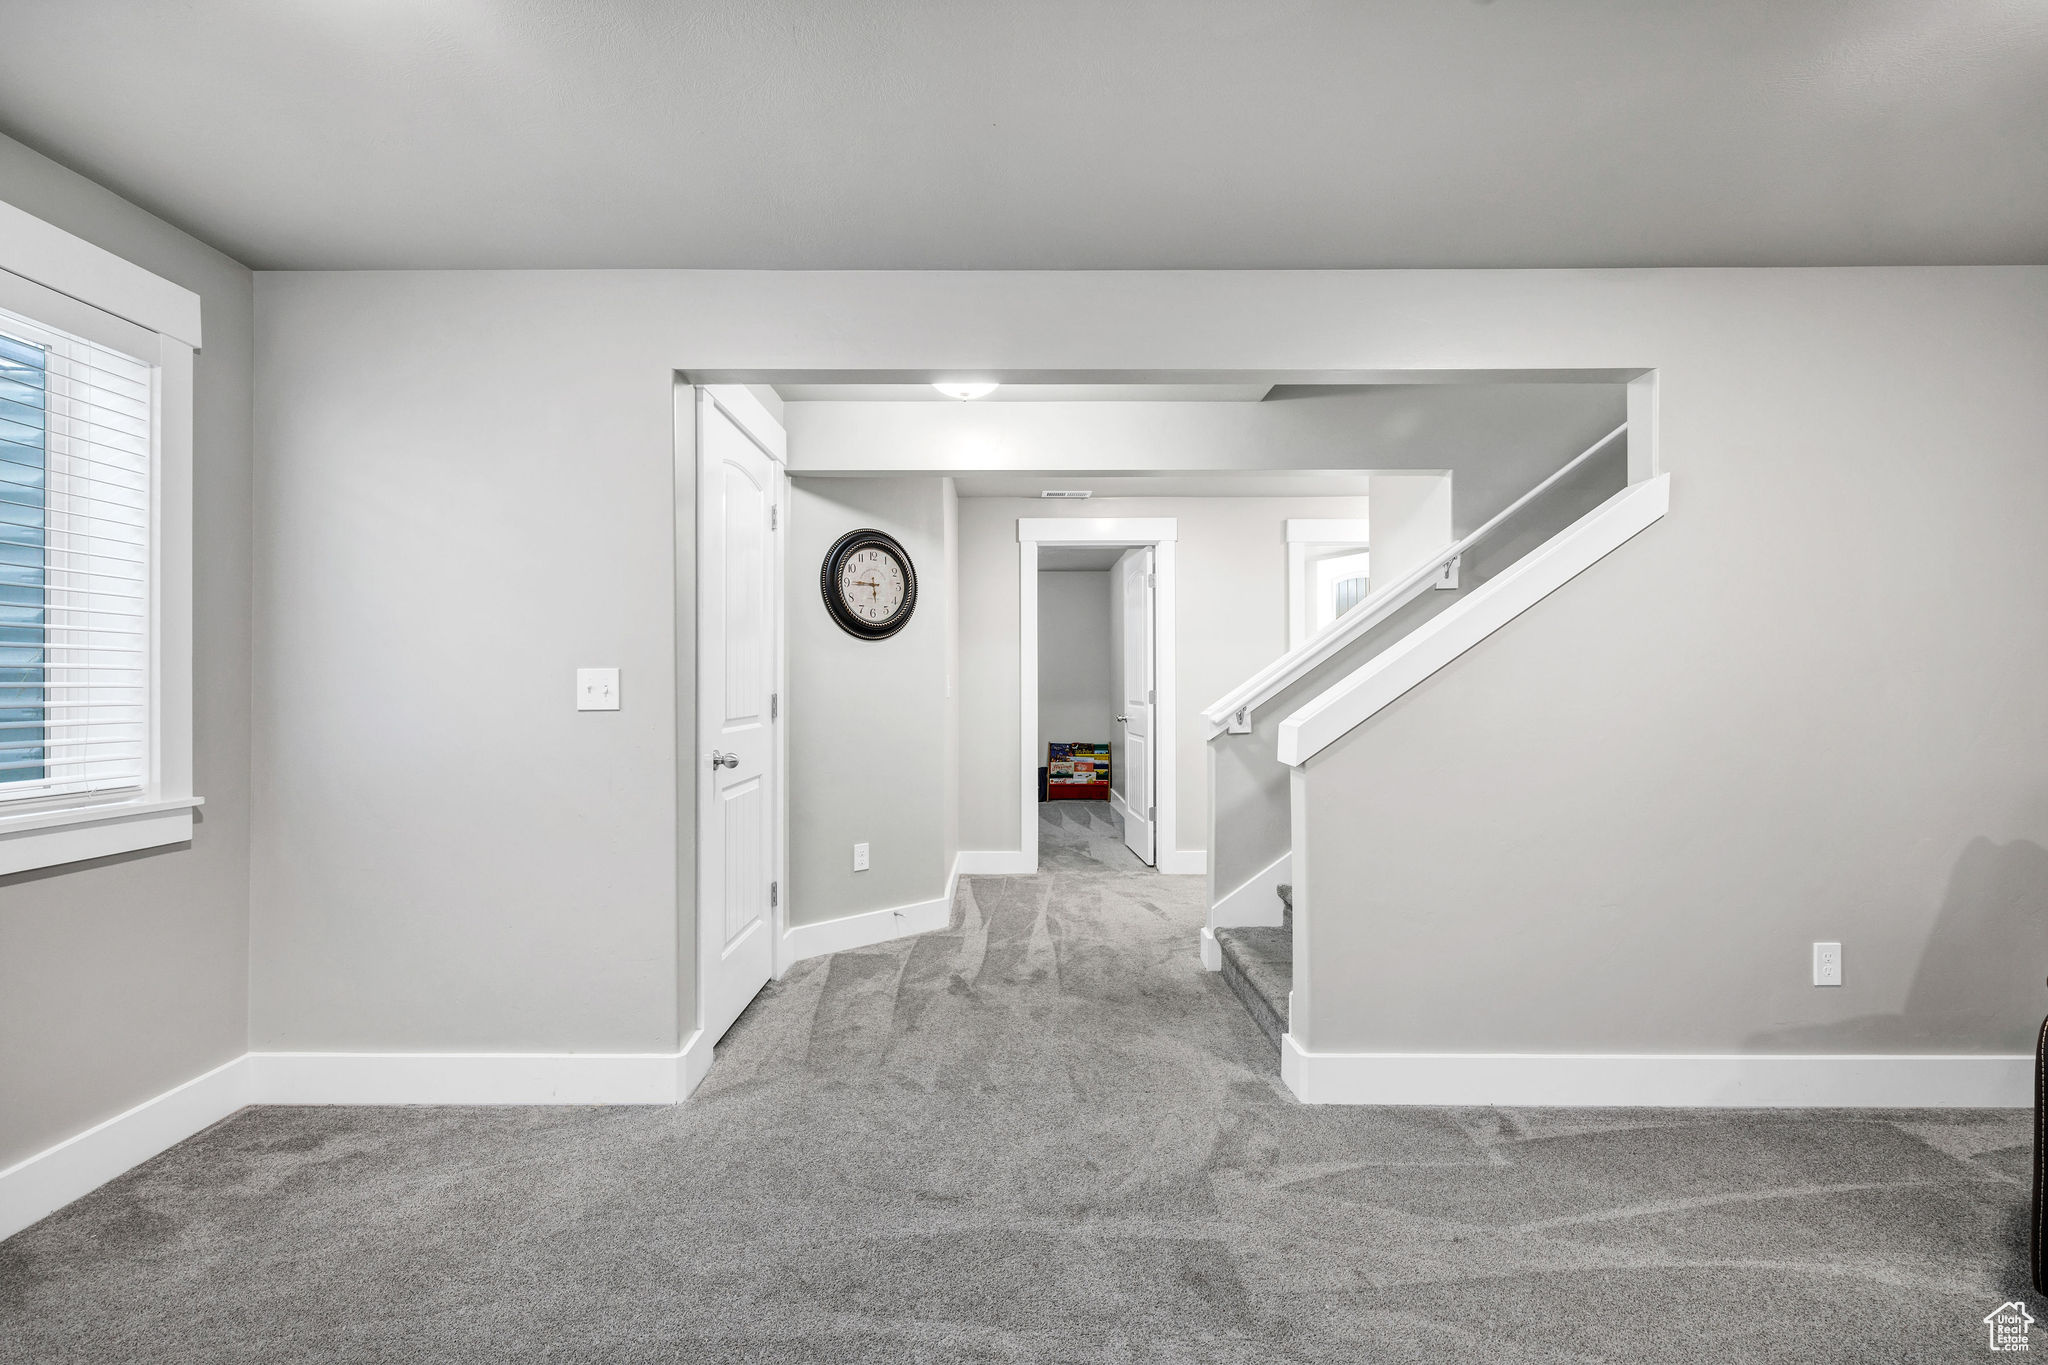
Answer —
(1212, 951)
(692, 1064)
(1655, 1080)
(1186, 862)
(40, 1185)
(471, 1077)
(1257, 902)
(37, 1187)
(873, 926)
(996, 862)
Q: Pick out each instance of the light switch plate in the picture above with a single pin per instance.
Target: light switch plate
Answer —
(597, 689)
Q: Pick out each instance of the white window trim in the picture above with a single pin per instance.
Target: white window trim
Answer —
(1304, 534)
(66, 282)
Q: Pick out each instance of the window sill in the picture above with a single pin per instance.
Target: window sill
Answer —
(48, 838)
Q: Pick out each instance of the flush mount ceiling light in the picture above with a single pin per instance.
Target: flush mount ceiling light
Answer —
(1066, 492)
(964, 389)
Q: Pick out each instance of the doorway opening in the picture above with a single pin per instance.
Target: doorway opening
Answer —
(1096, 649)
(1094, 681)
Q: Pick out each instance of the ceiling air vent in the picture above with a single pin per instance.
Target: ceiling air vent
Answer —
(1066, 492)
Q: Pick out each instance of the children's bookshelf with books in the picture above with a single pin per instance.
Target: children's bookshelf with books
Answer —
(1076, 772)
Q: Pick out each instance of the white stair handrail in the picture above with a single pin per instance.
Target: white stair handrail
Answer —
(1373, 685)
(1297, 663)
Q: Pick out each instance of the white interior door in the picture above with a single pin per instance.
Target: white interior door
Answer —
(1135, 707)
(738, 633)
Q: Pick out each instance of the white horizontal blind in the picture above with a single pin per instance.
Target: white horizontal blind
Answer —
(75, 664)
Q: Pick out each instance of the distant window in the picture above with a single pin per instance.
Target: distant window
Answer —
(76, 443)
(1326, 572)
(1346, 594)
(1340, 581)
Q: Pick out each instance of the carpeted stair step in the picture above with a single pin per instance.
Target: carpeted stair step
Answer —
(1258, 966)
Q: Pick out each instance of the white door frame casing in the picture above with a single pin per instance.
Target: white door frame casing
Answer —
(1160, 535)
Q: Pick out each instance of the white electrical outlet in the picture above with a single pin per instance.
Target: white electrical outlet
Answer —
(597, 689)
(1827, 964)
(860, 857)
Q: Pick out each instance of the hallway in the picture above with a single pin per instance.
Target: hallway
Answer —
(1042, 1134)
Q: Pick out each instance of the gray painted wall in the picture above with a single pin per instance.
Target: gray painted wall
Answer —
(1838, 720)
(1755, 726)
(122, 978)
(466, 491)
(1074, 678)
(1409, 520)
(1232, 565)
(869, 757)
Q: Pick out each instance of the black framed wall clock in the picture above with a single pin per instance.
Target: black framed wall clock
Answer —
(869, 583)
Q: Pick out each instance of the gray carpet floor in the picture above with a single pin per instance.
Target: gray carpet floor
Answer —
(1044, 1134)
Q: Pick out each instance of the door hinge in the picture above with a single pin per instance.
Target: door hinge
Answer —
(774, 894)
(1151, 695)
(774, 516)
(1151, 580)
(774, 705)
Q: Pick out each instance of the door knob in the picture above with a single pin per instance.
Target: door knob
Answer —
(719, 760)
(1123, 720)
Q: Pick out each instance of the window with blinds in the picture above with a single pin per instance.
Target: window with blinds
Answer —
(75, 667)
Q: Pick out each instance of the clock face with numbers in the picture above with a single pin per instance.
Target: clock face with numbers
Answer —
(869, 585)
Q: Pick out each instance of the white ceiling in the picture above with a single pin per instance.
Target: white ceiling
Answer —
(1029, 133)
